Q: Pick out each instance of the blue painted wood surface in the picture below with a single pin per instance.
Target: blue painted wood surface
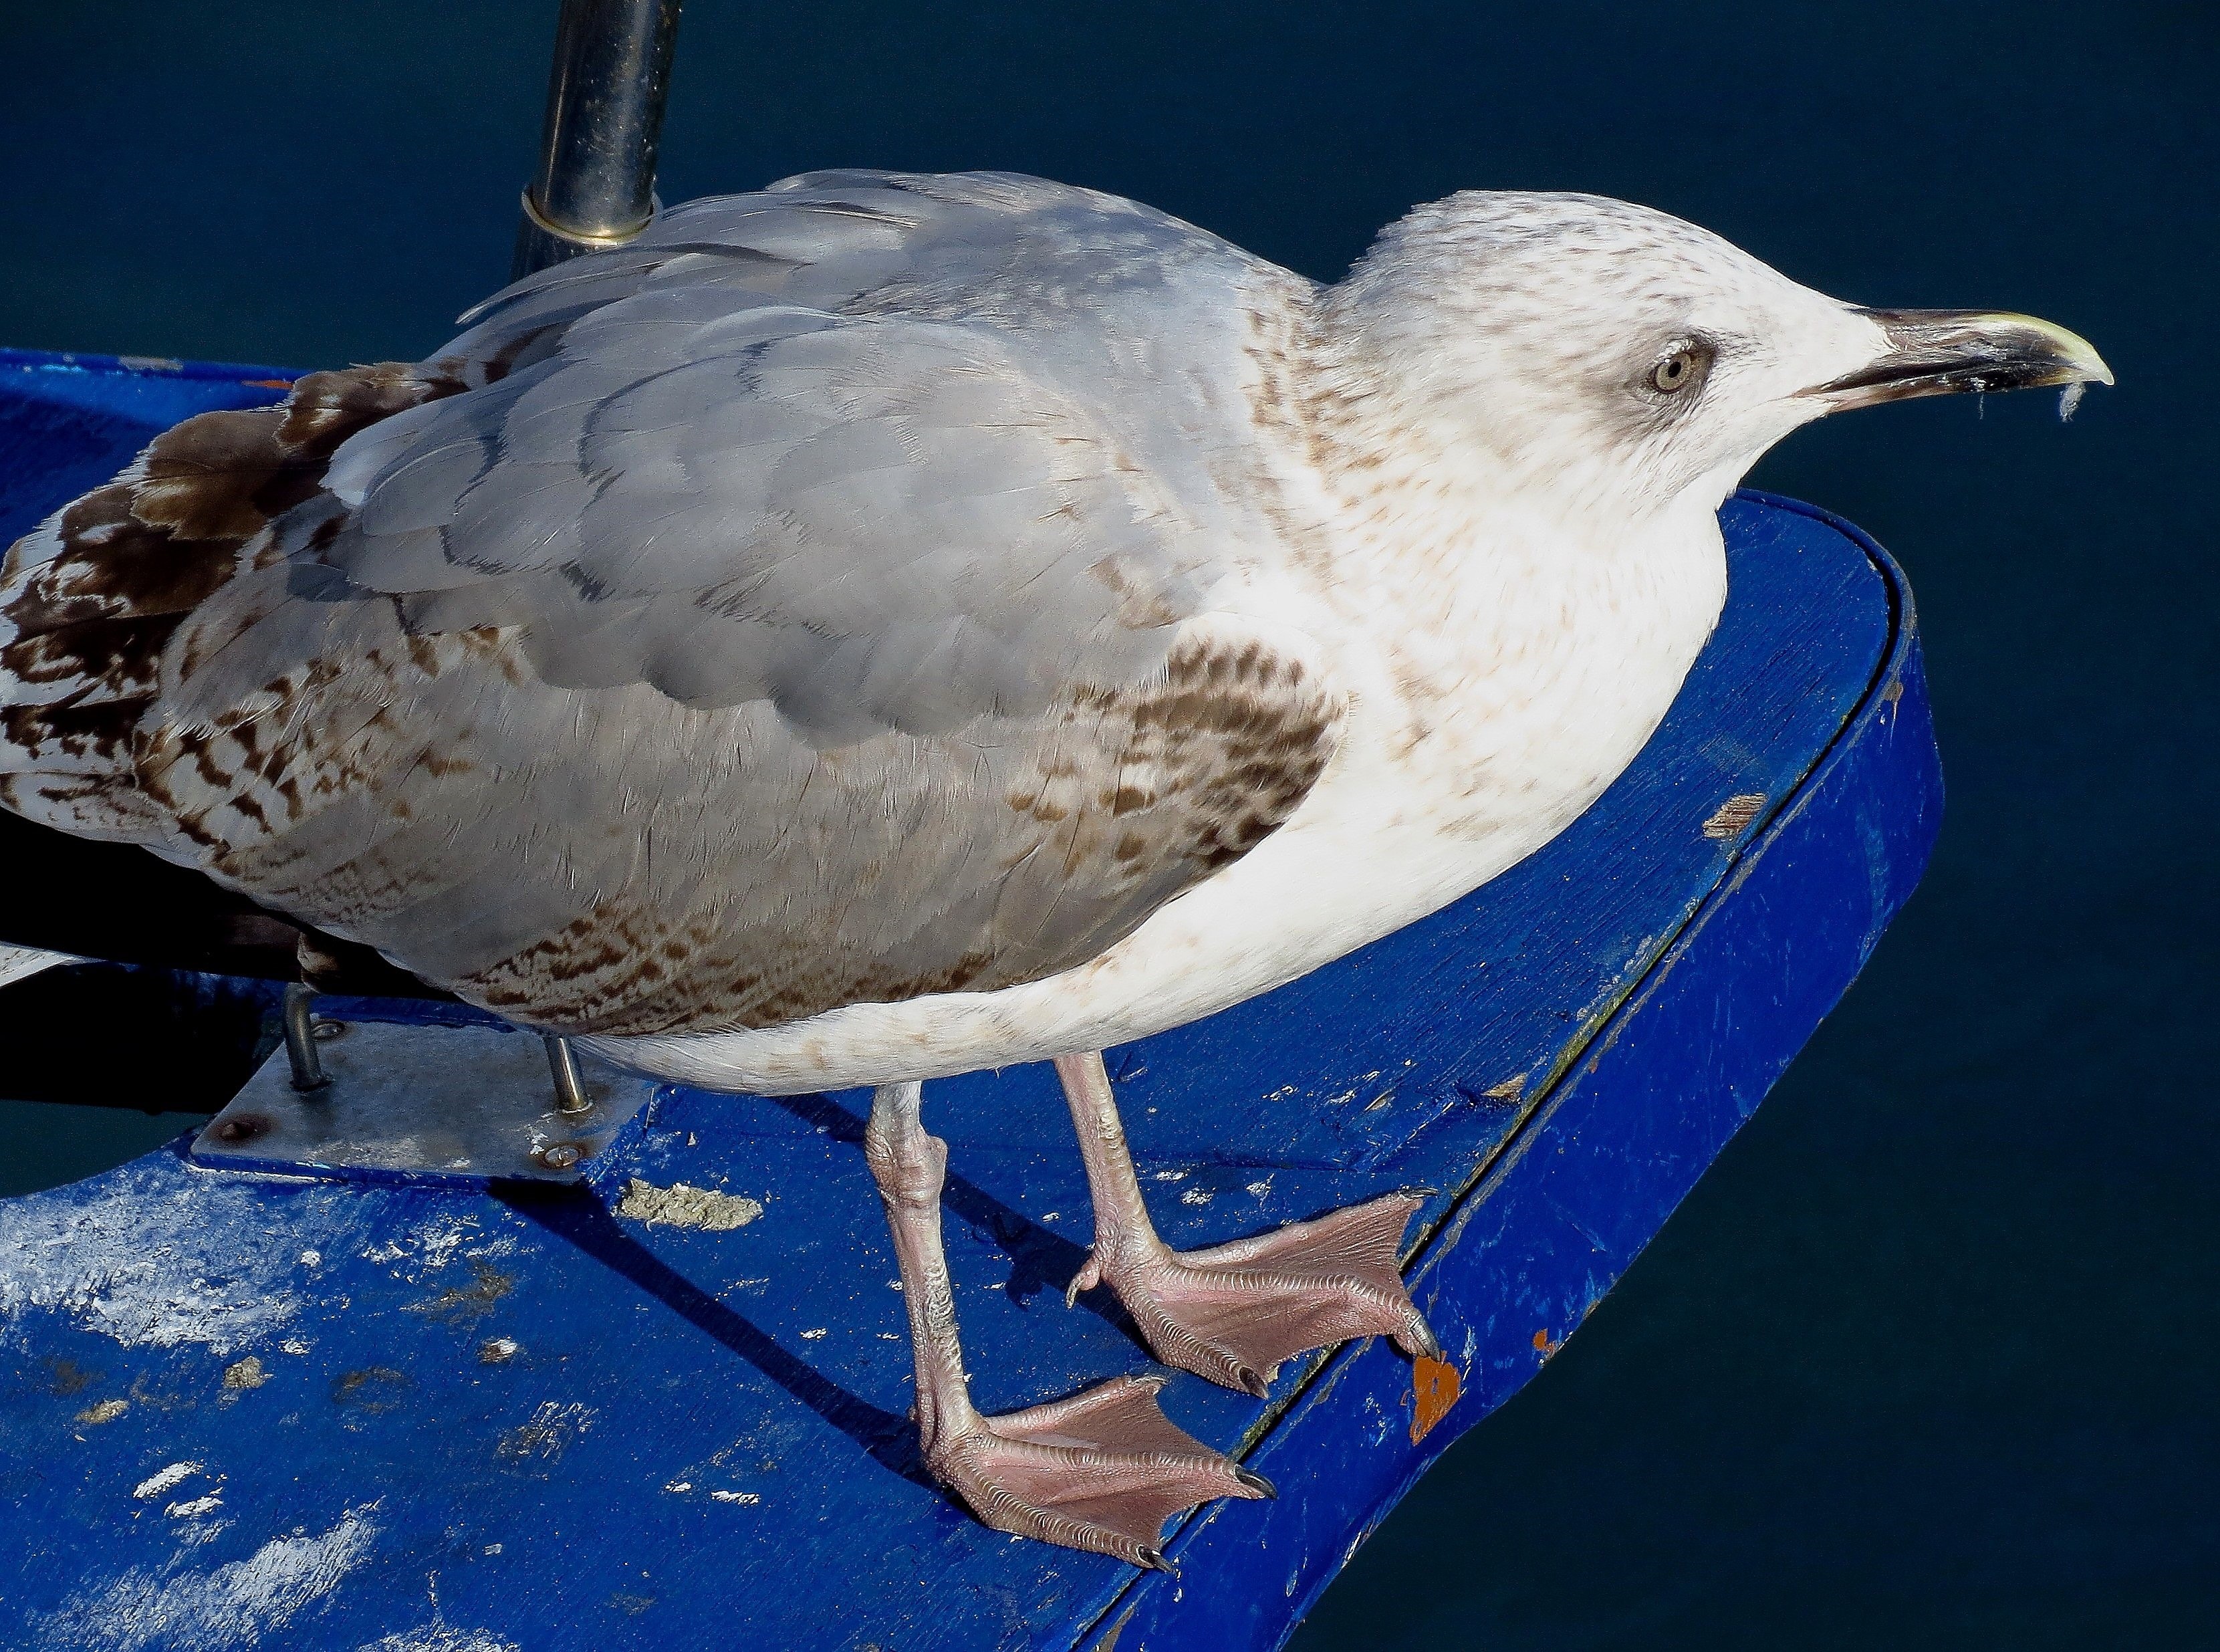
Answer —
(244, 1410)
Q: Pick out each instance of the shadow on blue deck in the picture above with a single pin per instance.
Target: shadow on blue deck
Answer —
(323, 1411)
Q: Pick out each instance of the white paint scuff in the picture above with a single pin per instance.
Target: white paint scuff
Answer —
(439, 1241)
(164, 1480)
(149, 1265)
(233, 1605)
(439, 1637)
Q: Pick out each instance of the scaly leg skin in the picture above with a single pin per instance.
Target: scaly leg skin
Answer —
(1102, 1471)
(1231, 1313)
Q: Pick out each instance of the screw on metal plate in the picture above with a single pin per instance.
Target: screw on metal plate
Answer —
(325, 1031)
(560, 1155)
(244, 1128)
(301, 1039)
(571, 1097)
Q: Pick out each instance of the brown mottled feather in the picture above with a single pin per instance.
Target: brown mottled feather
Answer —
(89, 603)
(940, 714)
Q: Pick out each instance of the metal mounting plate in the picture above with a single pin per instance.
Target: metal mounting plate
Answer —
(473, 1103)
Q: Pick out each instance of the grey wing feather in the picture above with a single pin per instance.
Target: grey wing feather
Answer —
(787, 610)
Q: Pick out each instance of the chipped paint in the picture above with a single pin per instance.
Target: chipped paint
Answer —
(243, 1374)
(682, 1206)
(1733, 818)
(550, 1432)
(460, 1303)
(66, 1377)
(106, 1411)
(371, 1391)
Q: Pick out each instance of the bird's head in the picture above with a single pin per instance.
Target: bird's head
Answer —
(1622, 362)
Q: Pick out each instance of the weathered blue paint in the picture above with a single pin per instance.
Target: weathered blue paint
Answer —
(323, 1412)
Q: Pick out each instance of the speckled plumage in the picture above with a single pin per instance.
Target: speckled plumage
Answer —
(888, 625)
(771, 537)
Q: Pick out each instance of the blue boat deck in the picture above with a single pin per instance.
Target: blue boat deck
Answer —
(245, 1408)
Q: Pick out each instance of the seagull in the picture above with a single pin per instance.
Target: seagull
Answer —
(888, 626)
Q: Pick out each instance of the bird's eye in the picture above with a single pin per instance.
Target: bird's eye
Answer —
(1677, 371)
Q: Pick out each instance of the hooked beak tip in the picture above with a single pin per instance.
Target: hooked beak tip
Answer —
(1939, 352)
(2077, 358)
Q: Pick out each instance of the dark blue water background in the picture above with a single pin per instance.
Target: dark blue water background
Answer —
(1928, 1359)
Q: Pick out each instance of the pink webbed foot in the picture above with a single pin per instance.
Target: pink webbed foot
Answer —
(1233, 1312)
(1102, 1471)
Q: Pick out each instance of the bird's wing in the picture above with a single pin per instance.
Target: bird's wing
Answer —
(807, 606)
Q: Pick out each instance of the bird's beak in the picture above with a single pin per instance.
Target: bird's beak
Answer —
(1938, 352)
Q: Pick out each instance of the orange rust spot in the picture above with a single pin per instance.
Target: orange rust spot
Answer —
(1435, 1385)
(1545, 1344)
(267, 383)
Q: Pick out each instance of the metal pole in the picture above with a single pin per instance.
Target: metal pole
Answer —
(301, 1039)
(596, 186)
(571, 1097)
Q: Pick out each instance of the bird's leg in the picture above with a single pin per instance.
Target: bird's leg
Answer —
(1101, 1471)
(1231, 1313)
